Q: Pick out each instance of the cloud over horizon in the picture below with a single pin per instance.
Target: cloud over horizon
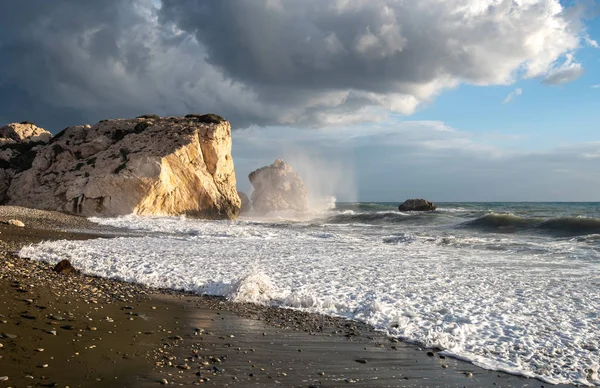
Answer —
(270, 62)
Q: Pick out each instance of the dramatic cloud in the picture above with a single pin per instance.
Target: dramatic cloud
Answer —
(428, 159)
(512, 95)
(269, 62)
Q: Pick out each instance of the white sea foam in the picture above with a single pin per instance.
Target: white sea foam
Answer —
(529, 307)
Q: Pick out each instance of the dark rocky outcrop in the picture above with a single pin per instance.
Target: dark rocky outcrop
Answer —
(416, 205)
(64, 267)
(246, 204)
(277, 188)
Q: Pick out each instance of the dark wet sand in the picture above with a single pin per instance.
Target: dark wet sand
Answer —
(60, 330)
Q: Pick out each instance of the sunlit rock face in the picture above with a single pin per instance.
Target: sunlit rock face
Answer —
(147, 165)
(277, 188)
(19, 143)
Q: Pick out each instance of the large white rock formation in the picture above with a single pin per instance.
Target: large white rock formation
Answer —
(146, 166)
(277, 188)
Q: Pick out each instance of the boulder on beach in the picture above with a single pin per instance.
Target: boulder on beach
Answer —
(19, 143)
(149, 165)
(416, 205)
(277, 188)
(246, 204)
(64, 266)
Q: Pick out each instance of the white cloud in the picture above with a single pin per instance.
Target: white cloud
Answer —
(567, 72)
(596, 86)
(512, 95)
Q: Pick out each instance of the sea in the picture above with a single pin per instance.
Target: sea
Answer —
(513, 287)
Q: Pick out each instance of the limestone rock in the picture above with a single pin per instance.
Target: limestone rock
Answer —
(277, 187)
(419, 205)
(17, 223)
(19, 144)
(246, 204)
(24, 132)
(147, 166)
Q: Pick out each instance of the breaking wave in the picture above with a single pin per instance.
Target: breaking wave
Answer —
(560, 227)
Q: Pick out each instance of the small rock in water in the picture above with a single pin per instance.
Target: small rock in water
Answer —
(468, 374)
(361, 361)
(57, 317)
(8, 335)
(430, 354)
(164, 382)
(3, 378)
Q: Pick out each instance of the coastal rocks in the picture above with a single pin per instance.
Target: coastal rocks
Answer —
(246, 204)
(64, 267)
(276, 188)
(147, 165)
(24, 132)
(19, 143)
(417, 205)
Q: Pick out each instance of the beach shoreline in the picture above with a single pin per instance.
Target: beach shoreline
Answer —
(103, 332)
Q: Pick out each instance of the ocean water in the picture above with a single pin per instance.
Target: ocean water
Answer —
(507, 286)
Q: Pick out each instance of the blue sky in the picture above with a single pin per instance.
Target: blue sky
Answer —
(455, 100)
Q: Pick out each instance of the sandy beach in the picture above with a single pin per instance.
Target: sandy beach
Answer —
(74, 330)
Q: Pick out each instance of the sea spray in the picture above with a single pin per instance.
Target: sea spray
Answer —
(255, 287)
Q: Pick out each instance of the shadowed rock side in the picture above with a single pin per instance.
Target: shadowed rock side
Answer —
(276, 188)
(148, 165)
(419, 205)
(19, 143)
(246, 204)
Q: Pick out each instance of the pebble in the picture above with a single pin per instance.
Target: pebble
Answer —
(1, 346)
(39, 350)
(43, 366)
(3, 378)
(8, 335)
(57, 317)
(361, 361)
(468, 374)
(164, 382)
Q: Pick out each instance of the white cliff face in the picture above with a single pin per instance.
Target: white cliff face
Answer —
(147, 166)
(277, 188)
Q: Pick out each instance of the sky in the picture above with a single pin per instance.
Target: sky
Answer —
(451, 100)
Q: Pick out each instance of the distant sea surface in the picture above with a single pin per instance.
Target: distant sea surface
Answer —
(507, 286)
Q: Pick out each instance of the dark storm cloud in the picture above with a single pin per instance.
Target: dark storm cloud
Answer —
(264, 62)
